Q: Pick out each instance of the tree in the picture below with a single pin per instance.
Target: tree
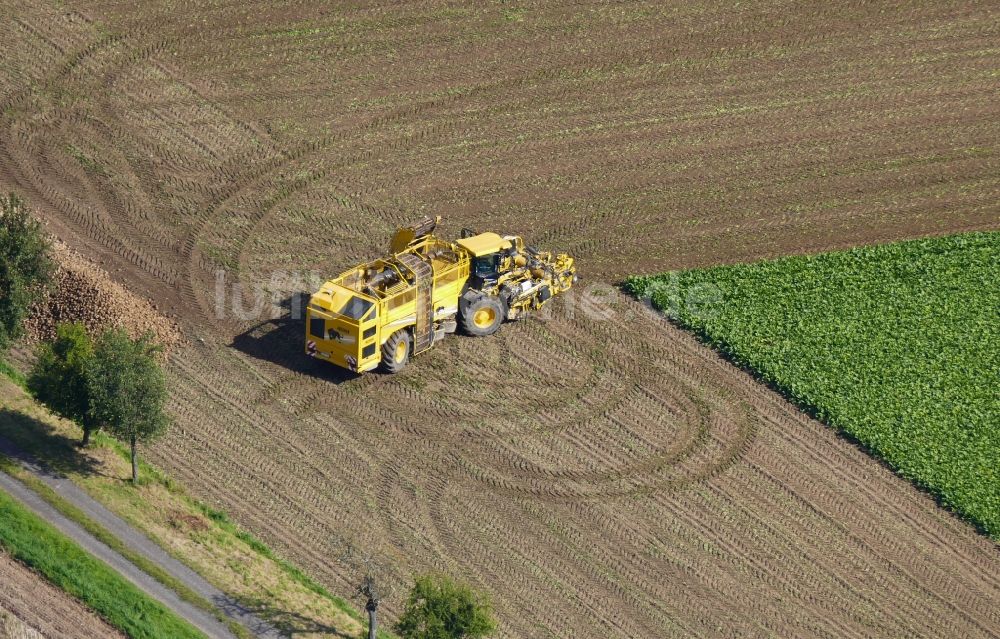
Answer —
(59, 376)
(439, 608)
(127, 390)
(25, 266)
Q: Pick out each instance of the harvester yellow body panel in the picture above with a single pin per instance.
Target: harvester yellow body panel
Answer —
(386, 310)
(483, 244)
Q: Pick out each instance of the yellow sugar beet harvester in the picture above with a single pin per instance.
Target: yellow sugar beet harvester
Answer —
(385, 311)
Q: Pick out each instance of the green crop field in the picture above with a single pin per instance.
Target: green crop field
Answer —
(895, 345)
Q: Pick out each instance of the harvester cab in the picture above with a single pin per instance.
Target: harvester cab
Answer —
(383, 312)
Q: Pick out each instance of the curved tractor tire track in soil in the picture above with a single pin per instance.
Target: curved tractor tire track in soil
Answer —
(595, 469)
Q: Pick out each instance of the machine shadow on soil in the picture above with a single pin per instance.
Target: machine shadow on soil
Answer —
(279, 341)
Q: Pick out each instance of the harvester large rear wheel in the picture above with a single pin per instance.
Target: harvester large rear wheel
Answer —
(482, 315)
(396, 351)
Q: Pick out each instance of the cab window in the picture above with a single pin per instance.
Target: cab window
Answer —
(355, 308)
(486, 265)
(317, 327)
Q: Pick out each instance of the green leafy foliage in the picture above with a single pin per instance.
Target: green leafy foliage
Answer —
(59, 376)
(32, 541)
(13, 374)
(896, 345)
(127, 389)
(25, 266)
(439, 608)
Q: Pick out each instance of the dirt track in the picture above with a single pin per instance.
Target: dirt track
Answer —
(36, 605)
(600, 476)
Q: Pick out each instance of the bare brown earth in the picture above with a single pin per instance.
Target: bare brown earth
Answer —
(597, 471)
(31, 608)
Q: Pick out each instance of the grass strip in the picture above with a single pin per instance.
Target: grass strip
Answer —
(151, 473)
(13, 374)
(101, 534)
(56, 451)
(32, 541)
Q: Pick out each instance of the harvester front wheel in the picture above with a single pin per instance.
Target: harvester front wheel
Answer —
(396, 351)
(482, 315)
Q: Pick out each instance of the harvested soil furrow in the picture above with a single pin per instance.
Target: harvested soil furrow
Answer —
(31, 605)
(595, 469)
(332, 454)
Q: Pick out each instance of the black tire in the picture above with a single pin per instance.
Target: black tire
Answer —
(481, 315)
(396, 352)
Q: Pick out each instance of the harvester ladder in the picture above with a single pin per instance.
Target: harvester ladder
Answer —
(423, 332)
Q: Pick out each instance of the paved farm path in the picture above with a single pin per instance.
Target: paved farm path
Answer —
(137, 542)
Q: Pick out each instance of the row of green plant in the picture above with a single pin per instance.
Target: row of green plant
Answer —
(115, 383)
(898, 346)
(37, 544)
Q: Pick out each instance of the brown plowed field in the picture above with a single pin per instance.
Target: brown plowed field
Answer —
(31, 607)
(597, 471)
